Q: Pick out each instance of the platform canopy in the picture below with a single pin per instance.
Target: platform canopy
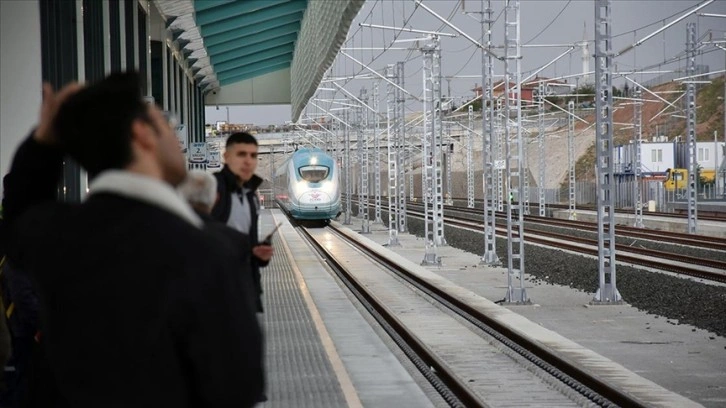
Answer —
(259, 51)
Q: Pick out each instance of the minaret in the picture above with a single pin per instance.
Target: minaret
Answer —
(585, 79)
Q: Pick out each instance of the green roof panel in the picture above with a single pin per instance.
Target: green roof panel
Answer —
(246, 50)
(255, 66)
(291, 21)
(259, 16)
(254, 73)
(221, 68)
(250, 37)
(226, 10)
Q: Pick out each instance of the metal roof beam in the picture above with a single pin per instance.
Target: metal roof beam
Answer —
(254, 66)
(222, 12)
(252, 49)
(260, 56)
(255, 73)
(256, 17)
(250, 30)
(255, 39)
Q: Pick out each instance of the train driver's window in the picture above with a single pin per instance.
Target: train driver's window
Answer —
(313, 174)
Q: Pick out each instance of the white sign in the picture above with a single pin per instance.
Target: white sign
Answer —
(198, 152)
(181, 134)
(213, 160)
(500, 164)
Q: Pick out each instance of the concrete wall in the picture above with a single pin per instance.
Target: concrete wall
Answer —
(20, 75)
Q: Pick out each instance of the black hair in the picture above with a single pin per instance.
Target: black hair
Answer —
(241, 137)
(94, 125)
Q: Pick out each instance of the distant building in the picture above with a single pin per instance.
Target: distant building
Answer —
(530, 89)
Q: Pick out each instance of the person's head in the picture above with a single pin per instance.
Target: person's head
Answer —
(108, 125)
(200, 190)
(240, 155)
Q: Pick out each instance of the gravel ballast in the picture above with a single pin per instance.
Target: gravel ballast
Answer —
(680, 300)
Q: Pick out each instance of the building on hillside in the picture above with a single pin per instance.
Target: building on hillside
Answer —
(530, 89)
(660, 155)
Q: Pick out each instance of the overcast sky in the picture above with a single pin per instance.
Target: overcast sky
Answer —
(542, 22)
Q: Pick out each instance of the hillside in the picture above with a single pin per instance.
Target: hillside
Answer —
(709, 118)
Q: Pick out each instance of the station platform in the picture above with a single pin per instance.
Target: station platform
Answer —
(323, 352)
(672, 224)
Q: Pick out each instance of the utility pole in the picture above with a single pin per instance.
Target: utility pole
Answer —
(377, 156)
(692, 187)
(392, 126)
(541, 147)
(488, 140)
(363, 142)
(607, 292)
(515, 155)
(638, 136)
(432, 187)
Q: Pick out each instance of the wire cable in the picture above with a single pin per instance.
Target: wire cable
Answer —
(550, 23)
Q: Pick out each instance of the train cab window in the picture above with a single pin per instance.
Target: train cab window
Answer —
(314, 174)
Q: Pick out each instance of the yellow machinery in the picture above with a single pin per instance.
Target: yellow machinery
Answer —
(677, 179)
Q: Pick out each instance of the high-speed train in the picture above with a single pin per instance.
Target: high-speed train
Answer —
(308, 186)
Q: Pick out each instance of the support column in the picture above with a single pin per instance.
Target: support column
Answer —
(432, 188)
(499, 154)
(607, 292)
(449, 164)
(692, 188)
(377, 157)
(470, 159)
(489, 140)
(363, 142)
(357, 115)
(571, 160)
(516, 293)
(638, 136)
(541, 148)
(401, 147)
(347, 166)
(391, 115)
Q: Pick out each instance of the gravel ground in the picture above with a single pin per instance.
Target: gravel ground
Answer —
(681, 301)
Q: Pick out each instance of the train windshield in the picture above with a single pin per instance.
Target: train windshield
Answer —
(314, 174)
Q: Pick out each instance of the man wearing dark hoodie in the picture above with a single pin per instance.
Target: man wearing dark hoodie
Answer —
(238, 205)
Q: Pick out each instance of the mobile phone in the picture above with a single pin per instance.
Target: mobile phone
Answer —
(268, 238)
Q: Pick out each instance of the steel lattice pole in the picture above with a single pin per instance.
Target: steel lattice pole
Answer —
(363, 142)
(515, 155)
(348, 178)
(571, 160)
(638, 136)
(489, 140)
(401, 147)
(391, 114)
(607, 291)
(377, 156)
(692, 190)
(541, 147)
(470, 160)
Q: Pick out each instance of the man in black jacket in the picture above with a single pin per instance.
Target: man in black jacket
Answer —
(138, 307)
(238, 205)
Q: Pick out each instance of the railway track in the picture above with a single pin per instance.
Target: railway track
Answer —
(666, 261)
(437, 368)
(706, 216)
(698, 241)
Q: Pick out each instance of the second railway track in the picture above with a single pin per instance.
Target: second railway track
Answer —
(456, 389)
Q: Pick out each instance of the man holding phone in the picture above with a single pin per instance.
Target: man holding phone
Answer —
(238, 205)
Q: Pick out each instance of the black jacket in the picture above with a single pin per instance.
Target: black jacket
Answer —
(138, 306)
(227, 188)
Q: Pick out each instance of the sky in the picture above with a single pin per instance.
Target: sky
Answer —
(542, 22)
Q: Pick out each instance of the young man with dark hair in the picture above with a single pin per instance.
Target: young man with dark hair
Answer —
(138, 303)
(238, 205)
